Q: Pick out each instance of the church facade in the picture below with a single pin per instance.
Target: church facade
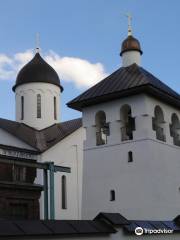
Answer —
(123, 153)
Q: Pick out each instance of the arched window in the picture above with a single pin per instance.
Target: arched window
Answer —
(158, 124)
(22, 107)
(112, 196)
(55, 109)
(128, 123)
(38, 106)
(175, 129)
(64, 192)
(102, 128)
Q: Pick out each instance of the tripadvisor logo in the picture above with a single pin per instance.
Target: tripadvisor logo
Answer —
(139, 231)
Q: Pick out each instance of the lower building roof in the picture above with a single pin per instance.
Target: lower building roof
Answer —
(43, 139)
(25, 228)
(129, 226)
(104, 223)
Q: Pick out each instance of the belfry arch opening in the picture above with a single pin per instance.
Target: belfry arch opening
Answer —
(158, 124)
(102, 128)
(127, 123)
(175, 129)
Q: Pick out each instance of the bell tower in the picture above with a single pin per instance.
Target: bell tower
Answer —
(132, 147)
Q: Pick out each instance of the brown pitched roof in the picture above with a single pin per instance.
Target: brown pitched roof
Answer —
(42, 139)
(126, 81)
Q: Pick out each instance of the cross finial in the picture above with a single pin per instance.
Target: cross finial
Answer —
(37, 43)
(129, 16)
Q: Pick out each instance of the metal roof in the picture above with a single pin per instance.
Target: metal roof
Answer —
(151, 225)
(113, 218)
(37, 70)
(104, 223)
(24, 228)
(41, 139)
(117, 220)
(126, 81)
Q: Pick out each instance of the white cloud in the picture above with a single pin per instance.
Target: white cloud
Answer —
(79, 71)
(22, 58)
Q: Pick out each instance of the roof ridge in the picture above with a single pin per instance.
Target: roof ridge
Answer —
(38, 139)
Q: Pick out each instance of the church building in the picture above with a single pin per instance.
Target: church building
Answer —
(123, 154)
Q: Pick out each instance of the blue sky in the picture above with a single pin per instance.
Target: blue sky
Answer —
(87, 33)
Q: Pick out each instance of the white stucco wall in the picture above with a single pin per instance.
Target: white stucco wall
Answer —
(131, 57)
(149, 186)
(68, 153)
(30, 91)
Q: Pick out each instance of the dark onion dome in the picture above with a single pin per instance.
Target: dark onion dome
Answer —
(37, 70)
(129, 44)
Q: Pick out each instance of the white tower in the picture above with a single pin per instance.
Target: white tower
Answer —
(130, 50)
(37, 92)
(131, 153)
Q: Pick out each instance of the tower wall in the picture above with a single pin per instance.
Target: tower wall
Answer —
(147, 187)
(30, 91)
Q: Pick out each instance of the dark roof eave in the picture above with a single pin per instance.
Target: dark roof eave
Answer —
(16, 85)
(148, 89)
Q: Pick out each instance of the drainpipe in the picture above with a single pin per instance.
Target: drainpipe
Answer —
(77, 169)
(51, 183)
(46, 212)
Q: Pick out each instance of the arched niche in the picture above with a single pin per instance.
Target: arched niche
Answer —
(158, 123)
(127, 123)
(102, 128)
(175, 129)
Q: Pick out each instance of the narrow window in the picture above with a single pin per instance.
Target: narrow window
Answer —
(64, 192)
(112, 195)
(130, 156)
(22, 107)
(55, 109)
(38, 106)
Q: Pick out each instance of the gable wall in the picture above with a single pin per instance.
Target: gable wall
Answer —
(68, 153)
